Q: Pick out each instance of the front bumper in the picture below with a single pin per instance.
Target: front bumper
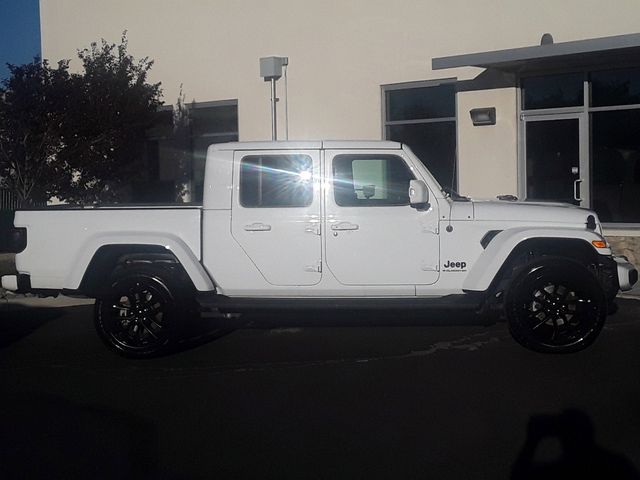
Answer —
(627, 273)
(20, 283)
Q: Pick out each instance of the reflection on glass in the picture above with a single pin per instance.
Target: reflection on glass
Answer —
(615, 87)
(276, 181)
(553, 91)
(552, 151)
(365, 180)
(616, 165)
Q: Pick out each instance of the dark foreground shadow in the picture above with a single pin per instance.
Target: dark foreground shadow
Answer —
(17, 321)
(355, 318)
(212, 326)
(579, 457)
(49, 437)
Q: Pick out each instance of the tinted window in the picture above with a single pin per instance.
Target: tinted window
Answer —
(418, 103)
(215, 119)
(616, 165)
(276, 181)
(434, 144)
(553, 91)
(615, 87)
(370, 180)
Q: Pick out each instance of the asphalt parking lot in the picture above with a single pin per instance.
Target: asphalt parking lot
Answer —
(323, 402)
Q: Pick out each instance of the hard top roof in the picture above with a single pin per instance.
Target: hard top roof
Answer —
(308, 145)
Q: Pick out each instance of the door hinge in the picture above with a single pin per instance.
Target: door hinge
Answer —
(314, 268)
(313, 227)
(429, 268)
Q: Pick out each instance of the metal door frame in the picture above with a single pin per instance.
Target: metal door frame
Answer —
(583, 151)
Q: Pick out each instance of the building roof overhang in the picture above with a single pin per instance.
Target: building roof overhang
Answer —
(619, 49)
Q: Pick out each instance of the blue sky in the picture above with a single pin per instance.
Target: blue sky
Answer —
(19, 32)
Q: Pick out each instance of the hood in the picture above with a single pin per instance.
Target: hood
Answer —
(531, 212)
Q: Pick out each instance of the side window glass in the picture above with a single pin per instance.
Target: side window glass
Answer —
(370, 180)
(271, 181)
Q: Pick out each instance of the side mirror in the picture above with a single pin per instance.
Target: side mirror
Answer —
(418, 195)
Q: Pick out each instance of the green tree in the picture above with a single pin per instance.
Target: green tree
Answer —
(111, 108)
(33, 109)
(77, 136)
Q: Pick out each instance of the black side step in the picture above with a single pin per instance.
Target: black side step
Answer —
(211, 300)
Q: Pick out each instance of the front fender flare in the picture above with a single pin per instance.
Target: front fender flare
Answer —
(497, 252)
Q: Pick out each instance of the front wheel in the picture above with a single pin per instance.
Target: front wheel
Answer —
(137, 317)
(555, 305)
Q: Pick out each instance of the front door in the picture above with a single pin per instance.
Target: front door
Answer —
(556, 158)
(373, 236)
(276, 214)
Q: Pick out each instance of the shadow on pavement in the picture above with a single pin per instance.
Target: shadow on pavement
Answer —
(17, 321)
(563, 446)
(43, 436)
(353, 318)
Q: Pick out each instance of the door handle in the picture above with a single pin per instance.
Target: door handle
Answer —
(257, 227)
(576, 190)
(344, 226)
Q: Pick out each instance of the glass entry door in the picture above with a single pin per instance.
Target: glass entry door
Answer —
(556, 158)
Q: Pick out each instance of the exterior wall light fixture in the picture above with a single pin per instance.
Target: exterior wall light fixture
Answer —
(483, 116)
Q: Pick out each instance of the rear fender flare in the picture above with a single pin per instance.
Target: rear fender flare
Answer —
(173, 244)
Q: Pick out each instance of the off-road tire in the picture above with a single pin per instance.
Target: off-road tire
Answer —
(139, 316)
(555, 305)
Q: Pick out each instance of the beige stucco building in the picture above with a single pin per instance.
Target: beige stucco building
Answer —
(566, 114)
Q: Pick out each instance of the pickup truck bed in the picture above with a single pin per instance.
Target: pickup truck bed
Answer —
(62, 242)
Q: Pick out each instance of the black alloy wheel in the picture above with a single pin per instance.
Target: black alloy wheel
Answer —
(136, 318)
(555, 305)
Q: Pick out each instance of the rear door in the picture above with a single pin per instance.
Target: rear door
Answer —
(276, 214)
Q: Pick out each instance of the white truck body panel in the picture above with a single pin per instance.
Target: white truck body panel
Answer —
(62, 242)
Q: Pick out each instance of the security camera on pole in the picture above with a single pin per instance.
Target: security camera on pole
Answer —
(271, 71)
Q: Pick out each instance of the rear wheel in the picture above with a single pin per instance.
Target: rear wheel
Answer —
(555, 305)
(137, 318)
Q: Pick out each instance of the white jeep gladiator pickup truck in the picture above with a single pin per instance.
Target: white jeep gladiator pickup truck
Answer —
(323, 225)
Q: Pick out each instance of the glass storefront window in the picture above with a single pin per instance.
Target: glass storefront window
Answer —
(434, 144)
(553, 91)
(616, 165)
(424, 118)
(615, 87)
